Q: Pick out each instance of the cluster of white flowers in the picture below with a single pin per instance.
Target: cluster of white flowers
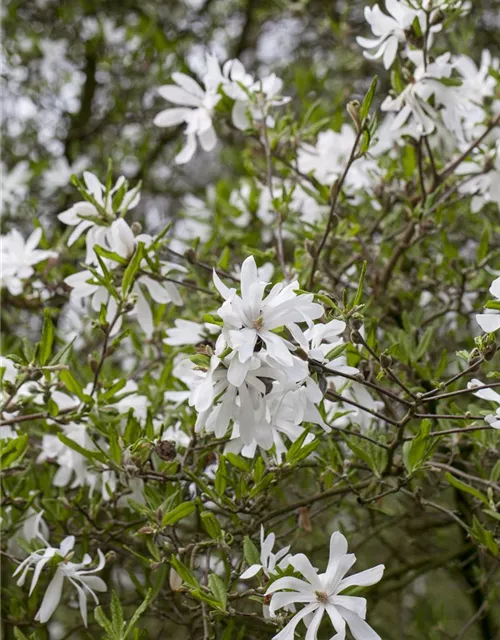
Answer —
(447, 92)
(253, 100)
(321, 593)
(18, 256)
(255, 379)
(77, 573)
(101, 218)
(490, 321)
(487, 394)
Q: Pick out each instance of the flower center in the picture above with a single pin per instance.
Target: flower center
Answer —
(259, 323)
(321, 596)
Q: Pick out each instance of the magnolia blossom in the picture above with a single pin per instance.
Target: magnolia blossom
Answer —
(321, 593)
(268, 560)
(196, 107)
(251, 317)
(482, 184)
(490, 321)
(184, 332)
(86, 216)
(487, 394)
(252, 97)
(120, 239)
(390, 30)
(327, 160)
(73, 468)
(413, 100)
(14, 184)
(18, 256)
(78, 574)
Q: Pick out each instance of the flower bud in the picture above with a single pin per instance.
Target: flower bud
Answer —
(385, 360)
(166, 450)
(136, 228)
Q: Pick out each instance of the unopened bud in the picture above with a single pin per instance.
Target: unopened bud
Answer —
(310, 247)
(92, 362)
(136, 228)
(474, 359)
(146, 531)
(356, 337)
(353, 111)
(165, 449)
(490, 351)
(385, 360)
(356, 323)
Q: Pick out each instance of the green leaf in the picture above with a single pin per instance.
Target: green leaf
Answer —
(336, 351)
(293, 451)
(482, 250)
(416, 451)
(238, 462)
(183, 510)
(462, 486)
(184, 572)
(117, 615)
(103, 622)
(110, 255)
(87, 453)
(368, 99)
(483, 536)
(250, 551)
(221, 477)
(211, 524)
(138, 612)
(359, 292)
(62, 356)
(13, 450)
(47, 339)
(133, 268)
(423, 345)
(218, 588)
(72, 384)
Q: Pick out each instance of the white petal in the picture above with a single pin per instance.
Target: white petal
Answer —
(51, 598)
(303, 565)
(208, 139)
(489, 322)
(359, 628)
(171, 117)
(177, 95)
(188, 151)
(251, 572)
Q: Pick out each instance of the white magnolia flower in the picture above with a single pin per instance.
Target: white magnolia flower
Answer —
(130, 399)
(196, 107)
(327, 160)
(414, 99)
(184, 332)
(59, 173)
(194, 221)
(252, 97)
(18, 257)
(77, 574)
(14, 184)
(490, 321)
(251, 317)
(73, 469)
(83, 215)
(390, 30)
(484, 186)
(321, 593)
(120, 239)
(487, 394)
(268, 560)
